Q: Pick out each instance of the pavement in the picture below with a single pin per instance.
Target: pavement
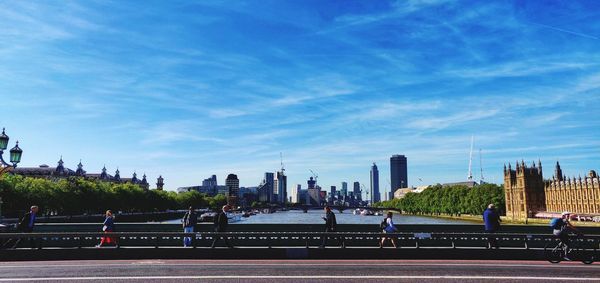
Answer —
(321, 271)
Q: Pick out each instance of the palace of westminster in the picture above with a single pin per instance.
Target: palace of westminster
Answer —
(60, 171)
(527, 193)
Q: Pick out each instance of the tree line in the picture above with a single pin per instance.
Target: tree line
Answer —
(77, 196)
(450, 200)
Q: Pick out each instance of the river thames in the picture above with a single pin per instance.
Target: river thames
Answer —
(314, 217)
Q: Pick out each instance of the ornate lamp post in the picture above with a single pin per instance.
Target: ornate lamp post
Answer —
(15, 154)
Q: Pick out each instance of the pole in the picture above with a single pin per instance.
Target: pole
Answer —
(1, 209)
(470, 176)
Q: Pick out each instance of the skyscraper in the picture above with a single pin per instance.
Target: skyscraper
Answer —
(314, 192)
(233, 186)
(375, 197)
(356, 191)
(281, 187)
(398, 173)
(344, 189)
(295, 198)
(265, 190)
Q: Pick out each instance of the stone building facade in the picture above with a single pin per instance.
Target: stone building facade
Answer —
(577, 195)
(527, 193)
(60, 171)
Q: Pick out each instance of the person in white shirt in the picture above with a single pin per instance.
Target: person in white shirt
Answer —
(389, 228)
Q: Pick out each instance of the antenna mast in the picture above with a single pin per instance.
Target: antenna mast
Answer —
(470, 177)
(481, 168)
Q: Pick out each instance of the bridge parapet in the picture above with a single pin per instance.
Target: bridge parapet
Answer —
(294, 239)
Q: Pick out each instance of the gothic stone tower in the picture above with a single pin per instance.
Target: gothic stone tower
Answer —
(524, 190)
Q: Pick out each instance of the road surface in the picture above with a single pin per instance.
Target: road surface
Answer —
(321, 271)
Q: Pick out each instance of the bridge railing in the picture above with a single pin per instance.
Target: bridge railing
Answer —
(419, 240)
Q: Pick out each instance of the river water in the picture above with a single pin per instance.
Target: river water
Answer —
(314, 217)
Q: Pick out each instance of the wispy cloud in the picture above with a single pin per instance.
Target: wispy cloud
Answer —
(217, 87)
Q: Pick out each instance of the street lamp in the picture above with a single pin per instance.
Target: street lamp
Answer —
(15, 154)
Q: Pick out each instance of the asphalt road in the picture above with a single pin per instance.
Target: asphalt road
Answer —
(297, 271)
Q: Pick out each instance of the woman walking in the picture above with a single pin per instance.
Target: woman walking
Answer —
(108, 228)
(388, 228)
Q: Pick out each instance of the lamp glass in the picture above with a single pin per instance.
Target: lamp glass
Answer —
(3, 141)
(15, 155)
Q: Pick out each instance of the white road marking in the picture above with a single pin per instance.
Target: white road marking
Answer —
(112, 278)
(159, 263)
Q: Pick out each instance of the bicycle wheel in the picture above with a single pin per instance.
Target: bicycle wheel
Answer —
(580, 252)
(553, 253)
(586, 256)
(588, 259)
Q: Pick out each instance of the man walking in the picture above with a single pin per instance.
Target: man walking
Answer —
(492, 220)
(25, 225)
(189, 222)
(221, 221)
(330, 226)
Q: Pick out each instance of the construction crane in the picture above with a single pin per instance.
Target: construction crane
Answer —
(470, 177)
(281, 159)
(315, 176)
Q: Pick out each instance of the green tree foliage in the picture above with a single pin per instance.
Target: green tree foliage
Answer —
(454, 200)
(76, 195)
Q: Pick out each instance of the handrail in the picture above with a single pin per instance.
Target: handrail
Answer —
(234, 234)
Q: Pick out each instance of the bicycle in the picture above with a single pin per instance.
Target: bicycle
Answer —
(556, 253)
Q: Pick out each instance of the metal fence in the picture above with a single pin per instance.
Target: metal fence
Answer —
(419, 240)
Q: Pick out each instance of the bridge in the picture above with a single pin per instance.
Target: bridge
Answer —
(338, 208)
(287, 241)
(288, 253)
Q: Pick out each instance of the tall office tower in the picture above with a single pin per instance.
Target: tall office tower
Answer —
(233, 186)
(265, 190)
(356, 190)
(333, 190)
(398, 173)
(375, 197)
(294, 198)
(311, 183)
(313, 192)
(344, 188)
(281, 187)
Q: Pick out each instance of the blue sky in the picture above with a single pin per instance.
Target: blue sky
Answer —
(190, 89)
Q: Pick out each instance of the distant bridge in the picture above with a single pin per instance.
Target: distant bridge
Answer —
(339, 208)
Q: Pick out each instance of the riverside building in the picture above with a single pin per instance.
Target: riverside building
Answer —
(60, 172)
(527, 193)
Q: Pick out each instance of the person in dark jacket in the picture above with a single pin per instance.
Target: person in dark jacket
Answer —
(25, 225)
(491, 220)
(108, 228)
(189, 222)
(221, 221)
(330, 226)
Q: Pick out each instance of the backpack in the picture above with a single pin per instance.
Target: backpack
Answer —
(556, 223)
(383, 224)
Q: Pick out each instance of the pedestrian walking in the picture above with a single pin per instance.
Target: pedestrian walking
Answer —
(330, 226)
(491, 220)
(388, 226)
(108, 228)
(25, 225)
(189, 222)
(221, 221)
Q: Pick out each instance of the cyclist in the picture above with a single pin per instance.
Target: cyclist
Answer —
(562, 227)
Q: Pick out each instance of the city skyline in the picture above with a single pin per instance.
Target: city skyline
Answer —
(188, 90)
